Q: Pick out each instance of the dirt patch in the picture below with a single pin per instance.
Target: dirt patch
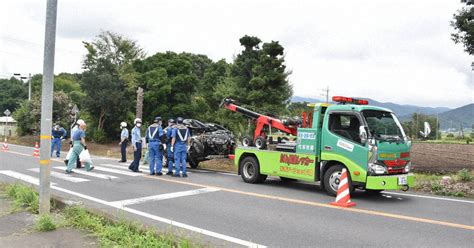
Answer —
(442, 157)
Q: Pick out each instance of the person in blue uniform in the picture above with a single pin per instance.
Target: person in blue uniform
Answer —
(180, 145)
(123, 141)
(58, 134)
(153, 134)
(137, 146)
(79, 143)
(169, 154)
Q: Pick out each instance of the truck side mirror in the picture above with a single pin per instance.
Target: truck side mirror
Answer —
(362, 134)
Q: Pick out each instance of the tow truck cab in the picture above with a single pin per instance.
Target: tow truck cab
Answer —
(368, 141)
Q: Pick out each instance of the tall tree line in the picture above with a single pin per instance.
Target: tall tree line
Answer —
(175, 84)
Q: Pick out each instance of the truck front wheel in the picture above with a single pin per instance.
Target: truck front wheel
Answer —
(250, 171)
(331, 179)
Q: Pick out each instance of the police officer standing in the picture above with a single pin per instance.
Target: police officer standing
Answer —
(79, 143)
(58, 134)
(153, 134)
(123, 141)
(180, 145)
(137, 146)
(169, 154)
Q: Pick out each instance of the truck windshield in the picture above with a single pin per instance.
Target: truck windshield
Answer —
(384, 126)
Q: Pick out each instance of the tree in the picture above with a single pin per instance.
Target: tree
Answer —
(110, 80)
(463, 24)
(260, 77)
(13, 92)
(28, 115)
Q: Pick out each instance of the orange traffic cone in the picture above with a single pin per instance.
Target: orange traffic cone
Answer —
(36, 152)
(5, 145)
(343, 198)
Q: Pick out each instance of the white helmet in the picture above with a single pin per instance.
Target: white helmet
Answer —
(137, 120)
(123, 124)
(81, 122)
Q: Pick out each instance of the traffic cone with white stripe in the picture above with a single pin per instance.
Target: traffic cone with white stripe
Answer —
(5, 145)
(343, 198)
(36, 152)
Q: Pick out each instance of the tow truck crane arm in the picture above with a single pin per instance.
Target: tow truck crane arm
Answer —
(289, 127)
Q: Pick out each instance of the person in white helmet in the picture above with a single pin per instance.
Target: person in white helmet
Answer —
(137, 145)
(79, 144)
(123, 141)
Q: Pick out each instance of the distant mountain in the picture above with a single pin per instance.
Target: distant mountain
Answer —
(447, 117)
(400, 110)
(456, 117)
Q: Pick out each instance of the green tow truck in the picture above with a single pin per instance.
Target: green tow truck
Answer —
(368, 141)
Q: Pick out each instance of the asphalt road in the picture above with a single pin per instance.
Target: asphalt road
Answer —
(220, 209)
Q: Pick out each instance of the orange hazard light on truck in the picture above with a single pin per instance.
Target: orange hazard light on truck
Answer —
(343, 100)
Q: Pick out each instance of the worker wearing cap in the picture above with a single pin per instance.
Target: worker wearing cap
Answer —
(180, 145)
(57, 134)
(153, 134)
(79, 144)
(169, 154)
(123, 141)
(137, 146)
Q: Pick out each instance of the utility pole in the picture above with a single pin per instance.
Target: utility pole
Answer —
(437, 125)
(139, 110)
(29, 87)
(326, 93)
(47, 107)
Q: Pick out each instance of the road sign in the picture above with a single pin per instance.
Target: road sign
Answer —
(75, 109)
(7, 112)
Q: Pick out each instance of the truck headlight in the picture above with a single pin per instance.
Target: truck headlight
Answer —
(377, 169)
(407, 167)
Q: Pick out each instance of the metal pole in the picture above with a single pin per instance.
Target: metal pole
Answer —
(47, 106)
(29, 87)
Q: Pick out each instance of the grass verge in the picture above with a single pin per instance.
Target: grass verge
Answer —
(460, 184)
(45, 223)
(110, 233)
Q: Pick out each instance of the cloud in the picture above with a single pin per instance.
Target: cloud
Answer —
(398, 51)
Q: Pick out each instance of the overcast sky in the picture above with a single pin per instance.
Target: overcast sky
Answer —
(390, 50)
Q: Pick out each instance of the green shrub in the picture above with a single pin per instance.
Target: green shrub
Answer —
(45, 223)
(465, 175)
(23, 196)
(99, 136)
(450, 135)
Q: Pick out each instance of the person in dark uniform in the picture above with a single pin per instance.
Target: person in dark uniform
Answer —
(180, 145)
(58, 134)
(137, 146)
(123, 141)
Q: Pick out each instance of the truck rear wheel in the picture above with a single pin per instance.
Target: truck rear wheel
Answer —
(261, 142)
(247, 141)
(331, 179)
(250, 171)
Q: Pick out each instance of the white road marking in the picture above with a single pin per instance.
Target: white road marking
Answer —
(26, 178)
(429, 197)
(66, 177)
(121, 172)
(90, 173)
(140, 213)
(164, 196)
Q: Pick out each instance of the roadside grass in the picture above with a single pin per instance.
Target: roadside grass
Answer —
(45, 223)
(460, 184)
(110, 233)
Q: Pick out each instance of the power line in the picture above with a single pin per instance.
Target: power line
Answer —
(37, 45)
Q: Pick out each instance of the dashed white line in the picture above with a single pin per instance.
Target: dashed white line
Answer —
(121, 172)
(89, 173)
(164, 196)
(23, 177)
(63, 176)
(428, 197)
